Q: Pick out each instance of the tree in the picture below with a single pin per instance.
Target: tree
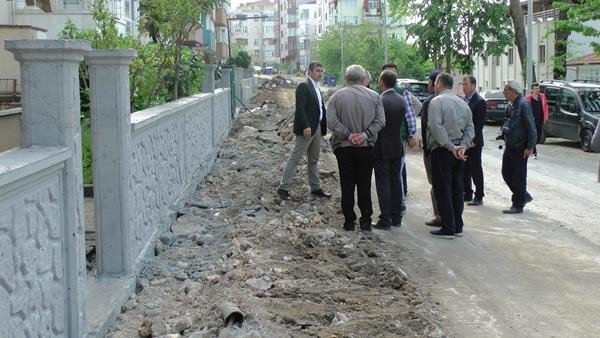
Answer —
(574, 16)
(516, 14)
(363, 44)
(169, 23)
(458, 31)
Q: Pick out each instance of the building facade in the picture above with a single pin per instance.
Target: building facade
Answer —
(253, 28)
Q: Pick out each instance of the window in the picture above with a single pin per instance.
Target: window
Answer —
(245, 29)
(350, 4)
(567, 100)
(511, 56)
(542, 54)
(551, 95)
(497, 60)
(256, 42)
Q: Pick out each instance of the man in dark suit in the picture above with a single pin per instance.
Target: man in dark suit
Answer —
(388, 154)
(473, 169)
(310, 125)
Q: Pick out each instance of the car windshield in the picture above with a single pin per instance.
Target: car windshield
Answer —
(591, 100)
(417, 87)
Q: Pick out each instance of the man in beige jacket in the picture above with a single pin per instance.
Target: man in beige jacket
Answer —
(355, 115)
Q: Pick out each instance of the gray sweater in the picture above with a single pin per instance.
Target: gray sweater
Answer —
(354, 109)
(449, 123)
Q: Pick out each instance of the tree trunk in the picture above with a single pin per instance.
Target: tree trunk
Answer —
(559, 70)
(516, 14)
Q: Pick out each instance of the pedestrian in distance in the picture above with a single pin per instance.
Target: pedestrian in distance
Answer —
(539, 109)
(437, 220)
(473, 168)
(409, 130)
(389, 153)
(355, 118)
(450, 133)
(310, 125)
(519, 134)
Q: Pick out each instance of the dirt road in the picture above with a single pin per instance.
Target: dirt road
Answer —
(530, 275)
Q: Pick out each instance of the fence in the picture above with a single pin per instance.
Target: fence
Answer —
(145, 165)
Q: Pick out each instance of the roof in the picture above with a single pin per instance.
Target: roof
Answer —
(589, 59)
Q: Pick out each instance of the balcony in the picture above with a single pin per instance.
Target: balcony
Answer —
(49, 6)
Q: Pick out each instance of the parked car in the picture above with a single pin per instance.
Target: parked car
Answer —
(496, 104)
(573, 110)
(416, 87)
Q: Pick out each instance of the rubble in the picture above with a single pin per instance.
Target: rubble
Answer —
(278, 81)
(288, 265)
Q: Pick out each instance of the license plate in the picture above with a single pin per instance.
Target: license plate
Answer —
(502, 106)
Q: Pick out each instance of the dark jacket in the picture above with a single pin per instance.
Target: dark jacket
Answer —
(307, 109)
(389, 144)
(478, 108)
(424, 116)
(518, 129)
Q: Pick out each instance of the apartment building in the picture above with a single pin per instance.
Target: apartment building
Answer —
(258, 36)
(492, 72)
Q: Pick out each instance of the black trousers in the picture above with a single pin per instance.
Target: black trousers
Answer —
(389, 189)
(514, 172)
(447, 172)
(474, 172)
(355, 165)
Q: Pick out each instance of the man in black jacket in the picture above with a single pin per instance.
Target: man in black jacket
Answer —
(388, 154)
(520, 136)
(473, 169)
(310, 125)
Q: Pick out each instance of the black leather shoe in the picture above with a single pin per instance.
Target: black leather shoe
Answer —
(528, 198)
(513, 210)
(349, 226)
(476, 201)
(366, 227)
(283, 194)
(382, 226)
(467, 198)
(320, 193)
(397, 222)
(442, 234)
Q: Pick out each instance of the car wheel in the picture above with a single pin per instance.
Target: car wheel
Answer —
(586, 140)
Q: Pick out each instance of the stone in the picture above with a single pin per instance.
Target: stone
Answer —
(259, 283)
(145, 329)
(214, 279)
(182, 324)
(338, 319)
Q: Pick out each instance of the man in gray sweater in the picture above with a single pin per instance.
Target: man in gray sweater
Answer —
(450, 133)
(355, 116)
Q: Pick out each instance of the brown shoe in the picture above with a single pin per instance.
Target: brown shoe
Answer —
(436, 222)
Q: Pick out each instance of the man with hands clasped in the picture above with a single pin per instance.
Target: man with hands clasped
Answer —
(450, 133)
(355, 117)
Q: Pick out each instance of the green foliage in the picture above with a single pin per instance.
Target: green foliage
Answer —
(579, 15)
(160, 73)
(243, 59)
(86, 151)
(458, 29)
(363, 44)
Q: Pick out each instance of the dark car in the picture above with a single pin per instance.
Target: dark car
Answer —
(416, 87)
(573, 110)
(496, 104)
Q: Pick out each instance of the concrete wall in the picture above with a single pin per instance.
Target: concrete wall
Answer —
(145, 166)
(32, 264)
(172, 147)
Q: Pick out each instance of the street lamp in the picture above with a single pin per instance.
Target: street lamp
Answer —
(241, 18)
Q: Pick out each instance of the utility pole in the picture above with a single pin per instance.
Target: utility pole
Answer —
(342, 37)
(385, 42)
(529, 77)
